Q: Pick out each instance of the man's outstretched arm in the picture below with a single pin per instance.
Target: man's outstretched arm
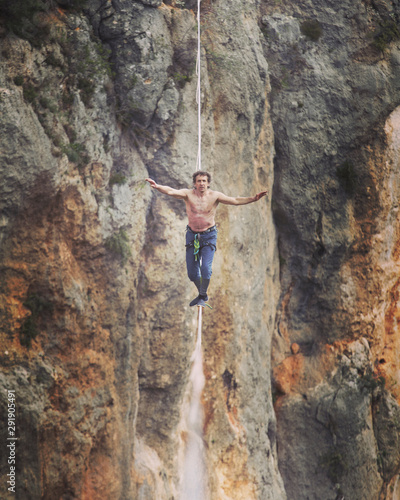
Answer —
(239, 200)
(176, 193)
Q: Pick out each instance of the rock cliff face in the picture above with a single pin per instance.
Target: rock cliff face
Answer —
(335, 77)
(96, 333)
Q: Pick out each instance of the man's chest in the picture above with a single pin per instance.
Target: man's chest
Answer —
(205, 204)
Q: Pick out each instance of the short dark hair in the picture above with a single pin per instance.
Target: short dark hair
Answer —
(201, 172)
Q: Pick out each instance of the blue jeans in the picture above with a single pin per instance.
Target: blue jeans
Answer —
(202, 267)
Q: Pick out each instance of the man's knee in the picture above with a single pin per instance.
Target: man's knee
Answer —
(206, 272)
(193, 277)
(193, 273)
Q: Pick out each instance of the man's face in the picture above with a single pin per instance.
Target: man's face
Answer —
(201, 183)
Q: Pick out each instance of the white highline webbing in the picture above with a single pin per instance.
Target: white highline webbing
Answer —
(198, 91)
(194, 481)
(198, 162)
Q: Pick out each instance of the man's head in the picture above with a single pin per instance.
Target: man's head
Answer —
(199, 177)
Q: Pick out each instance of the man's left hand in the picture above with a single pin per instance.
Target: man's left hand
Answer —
(260, 195)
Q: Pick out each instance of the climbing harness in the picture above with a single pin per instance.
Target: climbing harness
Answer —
(197, 244)
(201, 244)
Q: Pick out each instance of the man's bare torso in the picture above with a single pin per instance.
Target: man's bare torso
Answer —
(201, 202)
(201, 209)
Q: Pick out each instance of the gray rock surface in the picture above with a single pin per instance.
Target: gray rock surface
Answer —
(94, 297)
(335, 87)
(96, 334)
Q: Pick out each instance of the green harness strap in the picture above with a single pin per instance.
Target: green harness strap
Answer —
(196, 246)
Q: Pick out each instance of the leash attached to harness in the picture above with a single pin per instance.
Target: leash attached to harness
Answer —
(196, 245)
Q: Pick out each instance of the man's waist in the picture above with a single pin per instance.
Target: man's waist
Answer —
(212, 228)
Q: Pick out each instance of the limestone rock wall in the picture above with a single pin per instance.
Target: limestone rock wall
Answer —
(96, 334)
(335, 93)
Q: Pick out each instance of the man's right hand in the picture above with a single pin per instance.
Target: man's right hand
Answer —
(152, 183)
(180, 194)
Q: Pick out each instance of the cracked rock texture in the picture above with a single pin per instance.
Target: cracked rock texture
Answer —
(301, 349)
(334, 104)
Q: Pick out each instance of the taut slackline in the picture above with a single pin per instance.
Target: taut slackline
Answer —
(198, 91)
(198, 162)
(194, 484)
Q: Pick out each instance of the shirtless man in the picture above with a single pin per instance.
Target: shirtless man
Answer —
(201, 233)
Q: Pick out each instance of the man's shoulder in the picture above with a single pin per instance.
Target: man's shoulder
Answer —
(215, 194)
(185, 192)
